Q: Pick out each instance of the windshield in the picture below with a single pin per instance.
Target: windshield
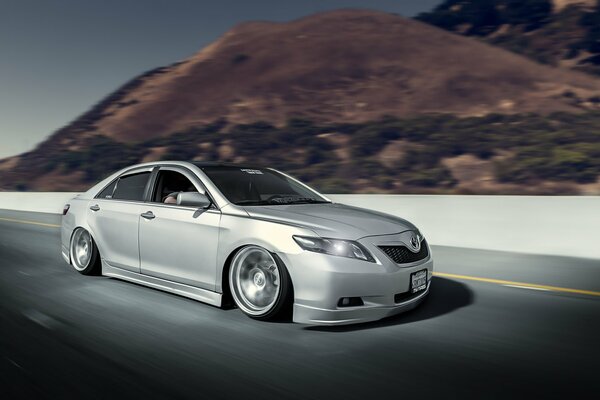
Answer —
(256, 187)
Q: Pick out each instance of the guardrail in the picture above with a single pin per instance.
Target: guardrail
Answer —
(553, 225)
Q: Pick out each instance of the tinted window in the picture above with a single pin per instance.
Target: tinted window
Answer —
(131, 187)
(171, 183)
(108, 191)
(252, 186)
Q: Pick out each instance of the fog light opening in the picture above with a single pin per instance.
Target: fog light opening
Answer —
(350, 302)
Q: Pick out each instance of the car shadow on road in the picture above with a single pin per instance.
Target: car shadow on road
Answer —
(445, 296)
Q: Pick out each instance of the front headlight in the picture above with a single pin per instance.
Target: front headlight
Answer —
(334, 247)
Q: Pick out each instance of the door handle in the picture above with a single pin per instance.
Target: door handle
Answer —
(95, 207)
(148, 215)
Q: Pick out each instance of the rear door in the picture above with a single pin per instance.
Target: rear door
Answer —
(114, 217)
(179, 243)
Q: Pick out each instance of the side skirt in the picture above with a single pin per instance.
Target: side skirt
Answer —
(203, 295)
(66, 257)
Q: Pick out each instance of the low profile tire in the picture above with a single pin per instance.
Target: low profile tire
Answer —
(84, 253)
(260, 284)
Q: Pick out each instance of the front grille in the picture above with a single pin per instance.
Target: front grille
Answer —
(402, 255)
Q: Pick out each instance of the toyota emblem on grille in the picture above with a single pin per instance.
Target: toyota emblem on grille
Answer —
(415, 243)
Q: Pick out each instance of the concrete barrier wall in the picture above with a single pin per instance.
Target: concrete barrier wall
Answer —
(554, 225)
(44, 202)
(568, 226)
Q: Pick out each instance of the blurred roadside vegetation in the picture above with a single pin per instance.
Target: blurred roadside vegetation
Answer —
(523, 149)
(532, 28)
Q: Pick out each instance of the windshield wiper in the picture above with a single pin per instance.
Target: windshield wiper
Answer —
(305, 200)
(281, 201)
(253, 203)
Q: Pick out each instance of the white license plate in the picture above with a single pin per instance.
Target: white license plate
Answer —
(418, 281)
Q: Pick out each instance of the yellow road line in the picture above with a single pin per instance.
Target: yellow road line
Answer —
(521, 284)
(20, 221)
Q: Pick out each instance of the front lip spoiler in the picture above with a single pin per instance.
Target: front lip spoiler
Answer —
(353, 315)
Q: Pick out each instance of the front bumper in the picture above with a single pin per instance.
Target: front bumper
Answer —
(320, 281)
(353, 315)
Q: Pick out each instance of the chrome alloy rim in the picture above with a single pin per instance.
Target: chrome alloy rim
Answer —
(81, 249)
(254, 275)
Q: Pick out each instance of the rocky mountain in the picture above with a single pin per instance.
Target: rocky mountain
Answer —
(561, 32)
(343, 99)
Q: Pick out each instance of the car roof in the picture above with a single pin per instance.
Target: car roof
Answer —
(205, 164)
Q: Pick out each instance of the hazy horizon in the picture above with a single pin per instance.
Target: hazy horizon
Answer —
(61, 58)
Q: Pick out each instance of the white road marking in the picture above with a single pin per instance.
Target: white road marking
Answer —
(40, 318)
(15, 363)
(528, 288)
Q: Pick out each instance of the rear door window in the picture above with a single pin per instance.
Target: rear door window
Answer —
(131, 187)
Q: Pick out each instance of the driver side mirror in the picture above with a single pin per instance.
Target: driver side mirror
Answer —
(193, 199)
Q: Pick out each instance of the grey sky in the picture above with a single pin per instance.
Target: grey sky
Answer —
(59, 57)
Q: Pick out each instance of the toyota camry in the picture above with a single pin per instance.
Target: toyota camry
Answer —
(247, 236)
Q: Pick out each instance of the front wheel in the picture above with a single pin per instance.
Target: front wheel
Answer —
(84, 253)
(260, 284)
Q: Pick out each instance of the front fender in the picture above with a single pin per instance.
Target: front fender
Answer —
(76, 218)
(239, 231)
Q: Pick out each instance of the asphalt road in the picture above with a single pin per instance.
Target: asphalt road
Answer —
(63, 335)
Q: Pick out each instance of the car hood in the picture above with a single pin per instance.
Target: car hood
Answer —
(333, 220)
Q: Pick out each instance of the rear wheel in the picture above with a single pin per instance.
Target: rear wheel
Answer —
(260, 284)
(84, 253)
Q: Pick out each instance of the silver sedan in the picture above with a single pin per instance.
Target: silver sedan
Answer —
(247, 236)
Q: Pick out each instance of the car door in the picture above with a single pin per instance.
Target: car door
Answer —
(179, 243)
(114, 215)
